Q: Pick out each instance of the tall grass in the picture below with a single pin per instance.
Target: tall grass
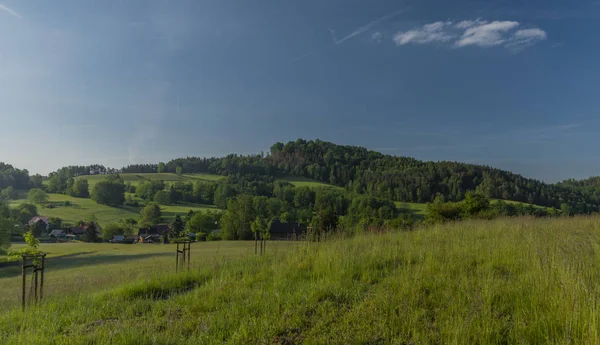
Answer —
(509, 281)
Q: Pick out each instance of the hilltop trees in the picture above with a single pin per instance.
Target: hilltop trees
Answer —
(111, 191)
(13, 177)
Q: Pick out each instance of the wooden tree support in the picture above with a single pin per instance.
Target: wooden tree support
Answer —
(263, 244)
(38, 264)
(183, 251)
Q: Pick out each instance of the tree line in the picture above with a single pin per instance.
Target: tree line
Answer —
(353, 168)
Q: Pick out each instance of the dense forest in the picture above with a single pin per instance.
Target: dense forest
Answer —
(362, 171)
(397, 178)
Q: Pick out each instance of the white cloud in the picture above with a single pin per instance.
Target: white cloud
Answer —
(377, 37)
(9, 11)
(486, 34)
(478, 32)
(467, 23)
(429, 33)
(525, 38)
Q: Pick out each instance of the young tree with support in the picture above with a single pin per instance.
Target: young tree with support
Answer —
(31, 257)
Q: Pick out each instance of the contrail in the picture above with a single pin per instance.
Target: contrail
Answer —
(298, 58)
(366, 27)
(354, 33)
(9, 11)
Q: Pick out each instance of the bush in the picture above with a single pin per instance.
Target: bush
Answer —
(129, 201)
(213, 237)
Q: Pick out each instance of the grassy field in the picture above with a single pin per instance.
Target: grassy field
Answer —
(300, 181)
(98, 266)
(166, 177)
(84, 208)
(509, 281)
(416, 209)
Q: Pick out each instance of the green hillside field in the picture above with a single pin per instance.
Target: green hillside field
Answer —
(80, 208)
(506, 281)
(166, 177)
(300, 181)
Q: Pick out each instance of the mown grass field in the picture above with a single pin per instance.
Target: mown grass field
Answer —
(81, 208)
(300, 181)
(135, 178)
(78, 269)
(416, 209)
(508, 281)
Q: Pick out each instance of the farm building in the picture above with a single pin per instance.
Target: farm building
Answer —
(286, 231)
(58, 233)
(153, 233)
(38, 219)
(79, 231)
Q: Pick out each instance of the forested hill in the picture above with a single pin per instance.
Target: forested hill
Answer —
(364, 171)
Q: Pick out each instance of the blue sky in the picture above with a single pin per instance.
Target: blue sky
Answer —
(504, 83)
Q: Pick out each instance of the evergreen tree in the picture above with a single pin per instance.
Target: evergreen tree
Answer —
(90, 233)
(178, 227)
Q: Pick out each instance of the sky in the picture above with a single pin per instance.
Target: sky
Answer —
(509, 84)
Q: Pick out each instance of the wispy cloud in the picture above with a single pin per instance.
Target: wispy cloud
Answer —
(486, 34)
(429, 33)
(525, 38)
(476, 32)
(9, 11)
(377, 37)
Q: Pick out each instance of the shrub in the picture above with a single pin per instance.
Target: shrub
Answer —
(213, 236)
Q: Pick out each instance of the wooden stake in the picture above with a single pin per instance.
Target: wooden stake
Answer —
(23, 283)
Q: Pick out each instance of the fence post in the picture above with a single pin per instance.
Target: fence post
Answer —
(23, 283)
(42, 282)
(189, 250)
(177, 259)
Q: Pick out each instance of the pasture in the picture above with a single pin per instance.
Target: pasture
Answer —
(168, 178)
(416, 209)
(80, 208)
(300, 181)
(507, 281)
(79, 269)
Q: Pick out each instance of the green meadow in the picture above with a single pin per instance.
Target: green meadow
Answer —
(81, 208)
(506, 281)
(135, 178)
(300, 181)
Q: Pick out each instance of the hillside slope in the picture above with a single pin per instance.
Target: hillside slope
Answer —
(360, 170)
(478, 282)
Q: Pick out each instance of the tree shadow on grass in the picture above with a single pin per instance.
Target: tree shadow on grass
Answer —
(71, 261)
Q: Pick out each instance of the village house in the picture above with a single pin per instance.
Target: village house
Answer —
(37, 219)
(153, 233)
(79, 231)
